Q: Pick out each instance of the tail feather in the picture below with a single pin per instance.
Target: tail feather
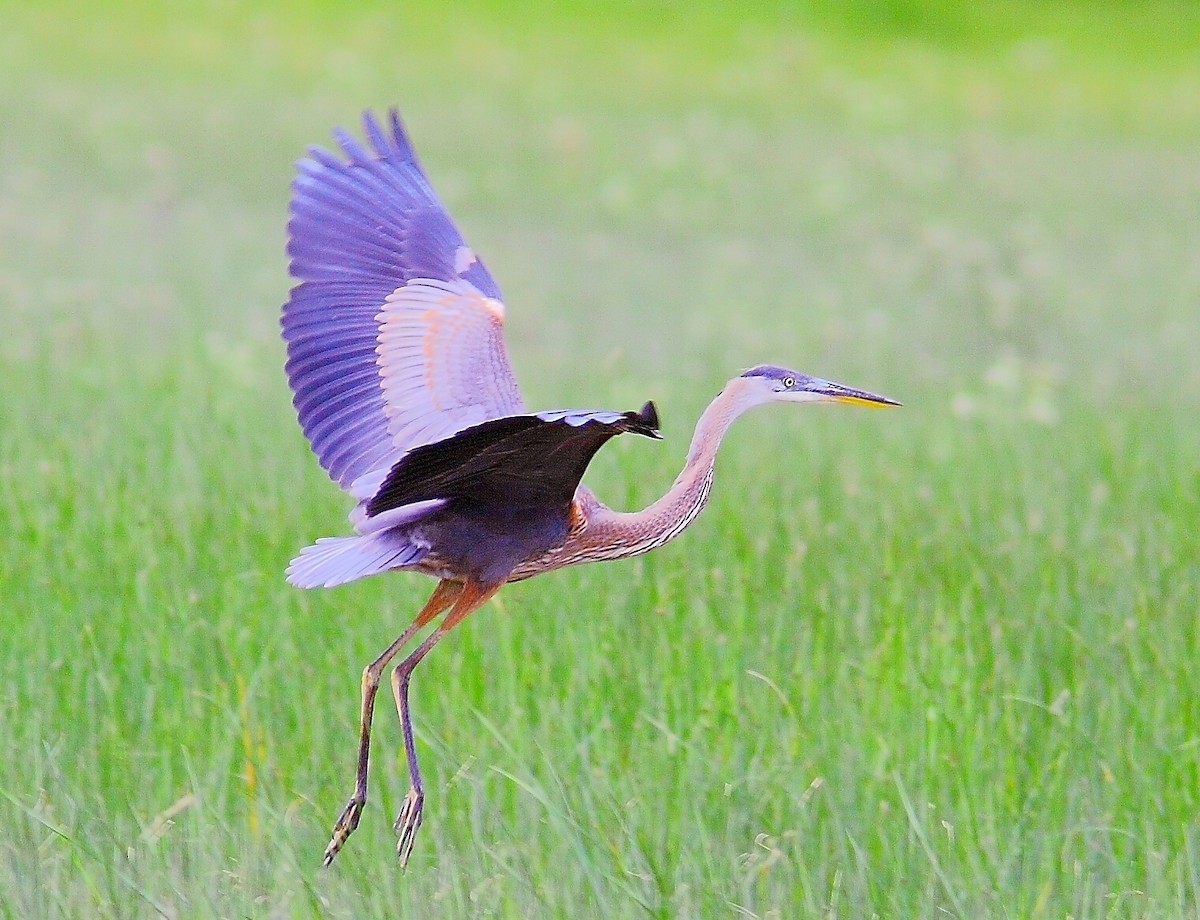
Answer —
(336, 560)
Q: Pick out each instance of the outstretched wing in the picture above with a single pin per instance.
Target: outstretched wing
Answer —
(531, 460)
(395, 332)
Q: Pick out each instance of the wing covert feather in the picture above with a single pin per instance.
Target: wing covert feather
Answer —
(516, 460)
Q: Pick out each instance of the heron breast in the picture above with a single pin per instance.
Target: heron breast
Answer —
(488, 542)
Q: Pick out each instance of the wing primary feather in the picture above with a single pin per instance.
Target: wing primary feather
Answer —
(375, 135)
(353, 149)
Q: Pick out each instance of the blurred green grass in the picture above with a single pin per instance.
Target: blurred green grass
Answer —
(935, 660)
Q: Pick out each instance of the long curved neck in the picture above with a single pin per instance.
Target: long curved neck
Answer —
(616, 534)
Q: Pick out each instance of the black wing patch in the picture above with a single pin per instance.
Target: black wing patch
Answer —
(522, 460)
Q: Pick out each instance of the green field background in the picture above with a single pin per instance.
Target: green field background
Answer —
(940, 661)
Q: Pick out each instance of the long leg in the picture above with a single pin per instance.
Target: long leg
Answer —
(445, 594)
(409, 820)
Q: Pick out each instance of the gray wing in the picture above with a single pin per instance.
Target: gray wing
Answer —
(395, 332)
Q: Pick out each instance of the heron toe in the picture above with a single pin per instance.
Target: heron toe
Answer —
(342, 828)
(407, 823)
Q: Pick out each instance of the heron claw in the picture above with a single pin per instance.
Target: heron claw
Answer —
(342, 828)
(407, 823)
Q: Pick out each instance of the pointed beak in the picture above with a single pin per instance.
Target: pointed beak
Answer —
(835, 392)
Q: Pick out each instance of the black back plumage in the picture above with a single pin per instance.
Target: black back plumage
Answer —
(520, 460)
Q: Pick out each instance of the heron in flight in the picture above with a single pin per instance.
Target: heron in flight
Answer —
(396, 358)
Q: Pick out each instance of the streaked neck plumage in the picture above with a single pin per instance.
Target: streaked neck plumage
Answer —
(610, 534)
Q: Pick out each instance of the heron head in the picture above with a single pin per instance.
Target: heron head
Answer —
(771, 383)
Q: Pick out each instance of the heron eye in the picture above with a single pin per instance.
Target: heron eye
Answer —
(789, 382)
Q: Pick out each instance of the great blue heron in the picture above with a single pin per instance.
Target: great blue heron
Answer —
(402, 385)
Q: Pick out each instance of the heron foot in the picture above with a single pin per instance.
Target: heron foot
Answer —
(407, 823)
(342, 828)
